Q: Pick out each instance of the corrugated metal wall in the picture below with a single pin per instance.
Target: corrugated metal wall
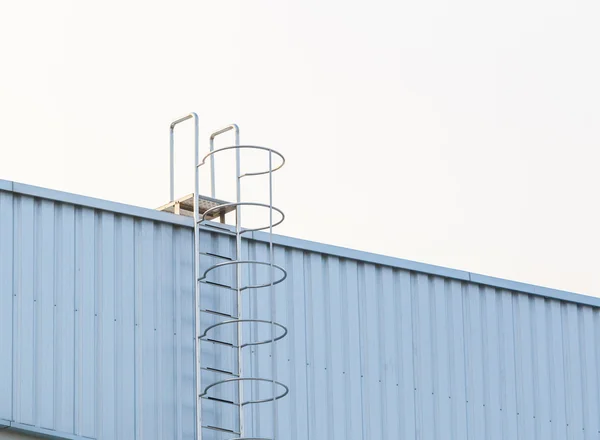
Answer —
(96, 325)
(98, 305)
(380, 352)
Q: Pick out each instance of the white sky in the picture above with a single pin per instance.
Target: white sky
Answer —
(461, 133)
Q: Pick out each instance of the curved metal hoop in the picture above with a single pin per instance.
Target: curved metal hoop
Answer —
(255, 379)
(244, 230)
(236, 262)
(236, 321)
(253, 147)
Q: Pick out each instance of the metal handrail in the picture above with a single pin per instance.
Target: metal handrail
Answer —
(172, 149)
(196, 300)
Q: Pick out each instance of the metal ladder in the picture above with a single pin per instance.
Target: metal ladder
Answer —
(205, 209)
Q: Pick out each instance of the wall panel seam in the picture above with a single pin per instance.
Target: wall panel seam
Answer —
(14, 312)
(515, 351)
(463, 290)
(304, 287)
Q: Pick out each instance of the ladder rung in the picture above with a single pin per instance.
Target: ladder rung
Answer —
(213, 283)
(216, 341)
(216, 428)
(214, 312)
(216, 399)
(213, 226)
(216, 370)
(210, 254)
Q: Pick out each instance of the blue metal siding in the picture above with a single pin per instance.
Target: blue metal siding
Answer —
(382, 352)
(101, 328)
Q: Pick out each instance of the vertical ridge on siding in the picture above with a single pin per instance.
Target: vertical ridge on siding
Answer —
(7, 253)
(24, 314)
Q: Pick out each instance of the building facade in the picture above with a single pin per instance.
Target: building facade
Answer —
(97, 337)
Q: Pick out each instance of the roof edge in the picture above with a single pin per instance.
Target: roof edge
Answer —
(431, 269)
(91, 202)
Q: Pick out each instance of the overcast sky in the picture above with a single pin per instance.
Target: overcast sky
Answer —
(458, 133)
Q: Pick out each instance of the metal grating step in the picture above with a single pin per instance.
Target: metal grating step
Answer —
(185, 206)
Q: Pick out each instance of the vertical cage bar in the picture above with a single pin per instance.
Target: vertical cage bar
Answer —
(238, 245)
(197, 378)
(272, 297)
(171, 164)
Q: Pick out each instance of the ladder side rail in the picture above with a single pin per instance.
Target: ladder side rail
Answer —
(196, 257)
(238, 254)
(272, 299)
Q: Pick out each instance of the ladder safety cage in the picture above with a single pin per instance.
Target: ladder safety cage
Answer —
(236, 319)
